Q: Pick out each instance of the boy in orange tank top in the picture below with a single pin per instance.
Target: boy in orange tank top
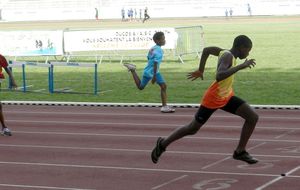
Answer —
(219, 95)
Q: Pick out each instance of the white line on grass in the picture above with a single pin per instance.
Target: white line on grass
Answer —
(22, 87)
(39, 90)
(104, 91)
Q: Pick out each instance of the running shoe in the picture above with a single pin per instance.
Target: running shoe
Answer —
(157, 151)
(6, 132)
(129, 66)
(167, 109)
(244, 156)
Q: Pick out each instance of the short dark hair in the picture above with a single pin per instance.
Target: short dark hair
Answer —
(158, 36)
(242, 41)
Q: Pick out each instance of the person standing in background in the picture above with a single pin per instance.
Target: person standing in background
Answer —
(123, 14)
(249, 9)
(96, 14)
(141, 14)
(230, 12)
(146, 16)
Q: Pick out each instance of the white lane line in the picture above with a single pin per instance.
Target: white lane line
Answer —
(136, 169)
(277, 179)
(40, 187)
(219, 161)
(169, 182)
(215, 163)
(136, 150)
(251, 148)
(284, 134)
(148, 136)
(101, 113)
(137, 114)
(90, 123)
(139, 124)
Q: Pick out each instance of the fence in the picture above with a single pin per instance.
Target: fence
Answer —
(190, 41)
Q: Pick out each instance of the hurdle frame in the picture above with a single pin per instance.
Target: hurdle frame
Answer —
(74, 64)
(23, 64)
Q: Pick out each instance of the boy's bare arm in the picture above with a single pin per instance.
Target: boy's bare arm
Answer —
(8, 71)
(205, 54)
(225, 70)
(213, 50)
(154, 73)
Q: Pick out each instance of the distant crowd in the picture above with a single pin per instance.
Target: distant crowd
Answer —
(135, 15)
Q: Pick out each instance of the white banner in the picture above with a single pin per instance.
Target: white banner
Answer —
(31, 43)
(123, 39)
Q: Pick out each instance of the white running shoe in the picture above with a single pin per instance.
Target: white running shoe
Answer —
(129, 66)
(167, 109)
(6, 132)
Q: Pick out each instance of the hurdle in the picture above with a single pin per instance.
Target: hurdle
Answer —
(73, 64)
(16, 64)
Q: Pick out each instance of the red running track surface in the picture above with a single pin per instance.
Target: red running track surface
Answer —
(108, 148)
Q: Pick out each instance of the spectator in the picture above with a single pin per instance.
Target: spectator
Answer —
(230, 12)
(146, 16)
(123, 14)
(96, 13)
(140, 14)
(249, 10)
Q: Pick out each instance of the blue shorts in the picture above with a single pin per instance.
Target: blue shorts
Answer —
(146, 79)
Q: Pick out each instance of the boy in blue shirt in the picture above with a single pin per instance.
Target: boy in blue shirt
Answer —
(151, 71)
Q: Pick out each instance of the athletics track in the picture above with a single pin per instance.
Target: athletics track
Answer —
(108, 148)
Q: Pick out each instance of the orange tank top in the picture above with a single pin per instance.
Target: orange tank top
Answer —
(219, 93)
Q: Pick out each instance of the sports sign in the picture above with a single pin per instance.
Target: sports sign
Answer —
(31, 43)
(123, 39)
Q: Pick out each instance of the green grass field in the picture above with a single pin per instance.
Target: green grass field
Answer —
(275, 80)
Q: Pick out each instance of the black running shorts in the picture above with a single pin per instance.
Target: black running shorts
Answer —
(203, 113)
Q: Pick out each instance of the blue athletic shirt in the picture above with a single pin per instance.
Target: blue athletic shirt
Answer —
(155, 54)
